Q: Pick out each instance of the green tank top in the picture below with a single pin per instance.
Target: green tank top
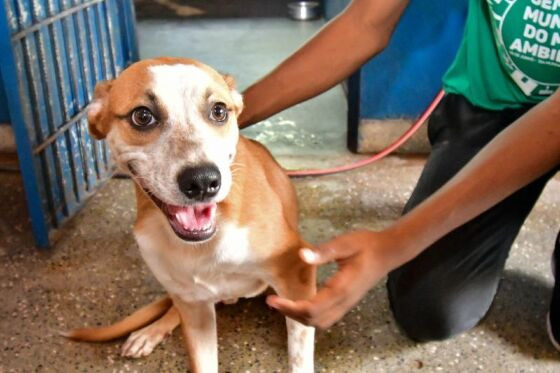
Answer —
(510, 53)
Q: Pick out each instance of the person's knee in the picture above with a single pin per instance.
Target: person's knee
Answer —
(423, 322)
(428, 316)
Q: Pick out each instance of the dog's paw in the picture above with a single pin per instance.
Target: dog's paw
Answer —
(142, 342)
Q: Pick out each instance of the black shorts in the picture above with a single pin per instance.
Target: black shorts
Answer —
(450, 286)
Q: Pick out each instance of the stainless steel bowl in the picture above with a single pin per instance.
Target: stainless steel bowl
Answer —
(304, 10)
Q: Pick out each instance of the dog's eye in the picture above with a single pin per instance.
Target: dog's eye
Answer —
(219, 112)
(142, 117)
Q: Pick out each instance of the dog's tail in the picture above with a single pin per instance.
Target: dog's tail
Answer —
(138, 319)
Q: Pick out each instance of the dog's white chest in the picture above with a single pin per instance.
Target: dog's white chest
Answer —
(218, 270)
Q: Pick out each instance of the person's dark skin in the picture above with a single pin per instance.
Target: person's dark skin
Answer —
(340, 48)
(527, 149)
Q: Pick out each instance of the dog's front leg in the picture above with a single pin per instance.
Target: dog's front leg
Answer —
(298, 284)
(198, 322)
(301, 340)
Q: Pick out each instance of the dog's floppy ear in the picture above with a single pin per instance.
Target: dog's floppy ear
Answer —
(236, 96)
(97, 110)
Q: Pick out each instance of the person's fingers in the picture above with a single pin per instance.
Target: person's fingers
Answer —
(300, 311)
(311, 311)
(306, 311)
(317, 256)
(344, 303)
(353, 286)
(341, 291)
(328, 319)
(321, 311)
(335, 249)
(337, 311)
(338, 248)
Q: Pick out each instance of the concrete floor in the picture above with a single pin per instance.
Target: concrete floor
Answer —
(95, 276)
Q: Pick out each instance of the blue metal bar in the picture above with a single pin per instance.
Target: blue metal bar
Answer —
(63, 14)
(29, 172)
(39, 12)
(128, 25)
(50, 94)
(84, 66)
(33, 74)
(11, 15)
(76, 86)
(67, 180)
(110, 70)
(23, 89)
(97, 63)
(65, 91)
(94, 43)
(38, 149)
(40, 121)
(87, 151)
(23, 9)
(115, 32)
(58, 50)
(74, 61)
(78, 163)
(104, 46)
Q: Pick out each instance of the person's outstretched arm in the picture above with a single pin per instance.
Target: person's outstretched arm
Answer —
(527, 149)
(338, 49)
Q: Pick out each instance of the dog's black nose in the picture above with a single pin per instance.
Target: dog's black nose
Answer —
(200, 182)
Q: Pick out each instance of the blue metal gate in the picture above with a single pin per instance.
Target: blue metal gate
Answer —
(52, 54)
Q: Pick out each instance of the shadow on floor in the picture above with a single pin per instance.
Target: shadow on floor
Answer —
(518, 315)
(15, 228)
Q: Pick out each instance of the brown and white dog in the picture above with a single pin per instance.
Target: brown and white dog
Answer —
(217, 216)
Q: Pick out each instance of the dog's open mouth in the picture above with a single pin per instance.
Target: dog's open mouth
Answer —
(193, 223)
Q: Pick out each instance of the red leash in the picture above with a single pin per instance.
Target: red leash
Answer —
(404, 137)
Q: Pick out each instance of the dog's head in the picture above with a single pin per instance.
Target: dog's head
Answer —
(172, 124)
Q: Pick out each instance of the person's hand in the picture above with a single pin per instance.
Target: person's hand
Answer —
(363, 258)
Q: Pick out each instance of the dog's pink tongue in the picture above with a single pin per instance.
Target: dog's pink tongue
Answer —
(193, 218)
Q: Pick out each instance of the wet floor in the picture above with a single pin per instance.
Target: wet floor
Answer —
(94, 275)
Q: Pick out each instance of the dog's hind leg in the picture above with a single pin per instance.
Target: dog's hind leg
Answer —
(138, 319)
(142, 342)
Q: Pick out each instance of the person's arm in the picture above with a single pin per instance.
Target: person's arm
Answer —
(529, 148)
(340, 48)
